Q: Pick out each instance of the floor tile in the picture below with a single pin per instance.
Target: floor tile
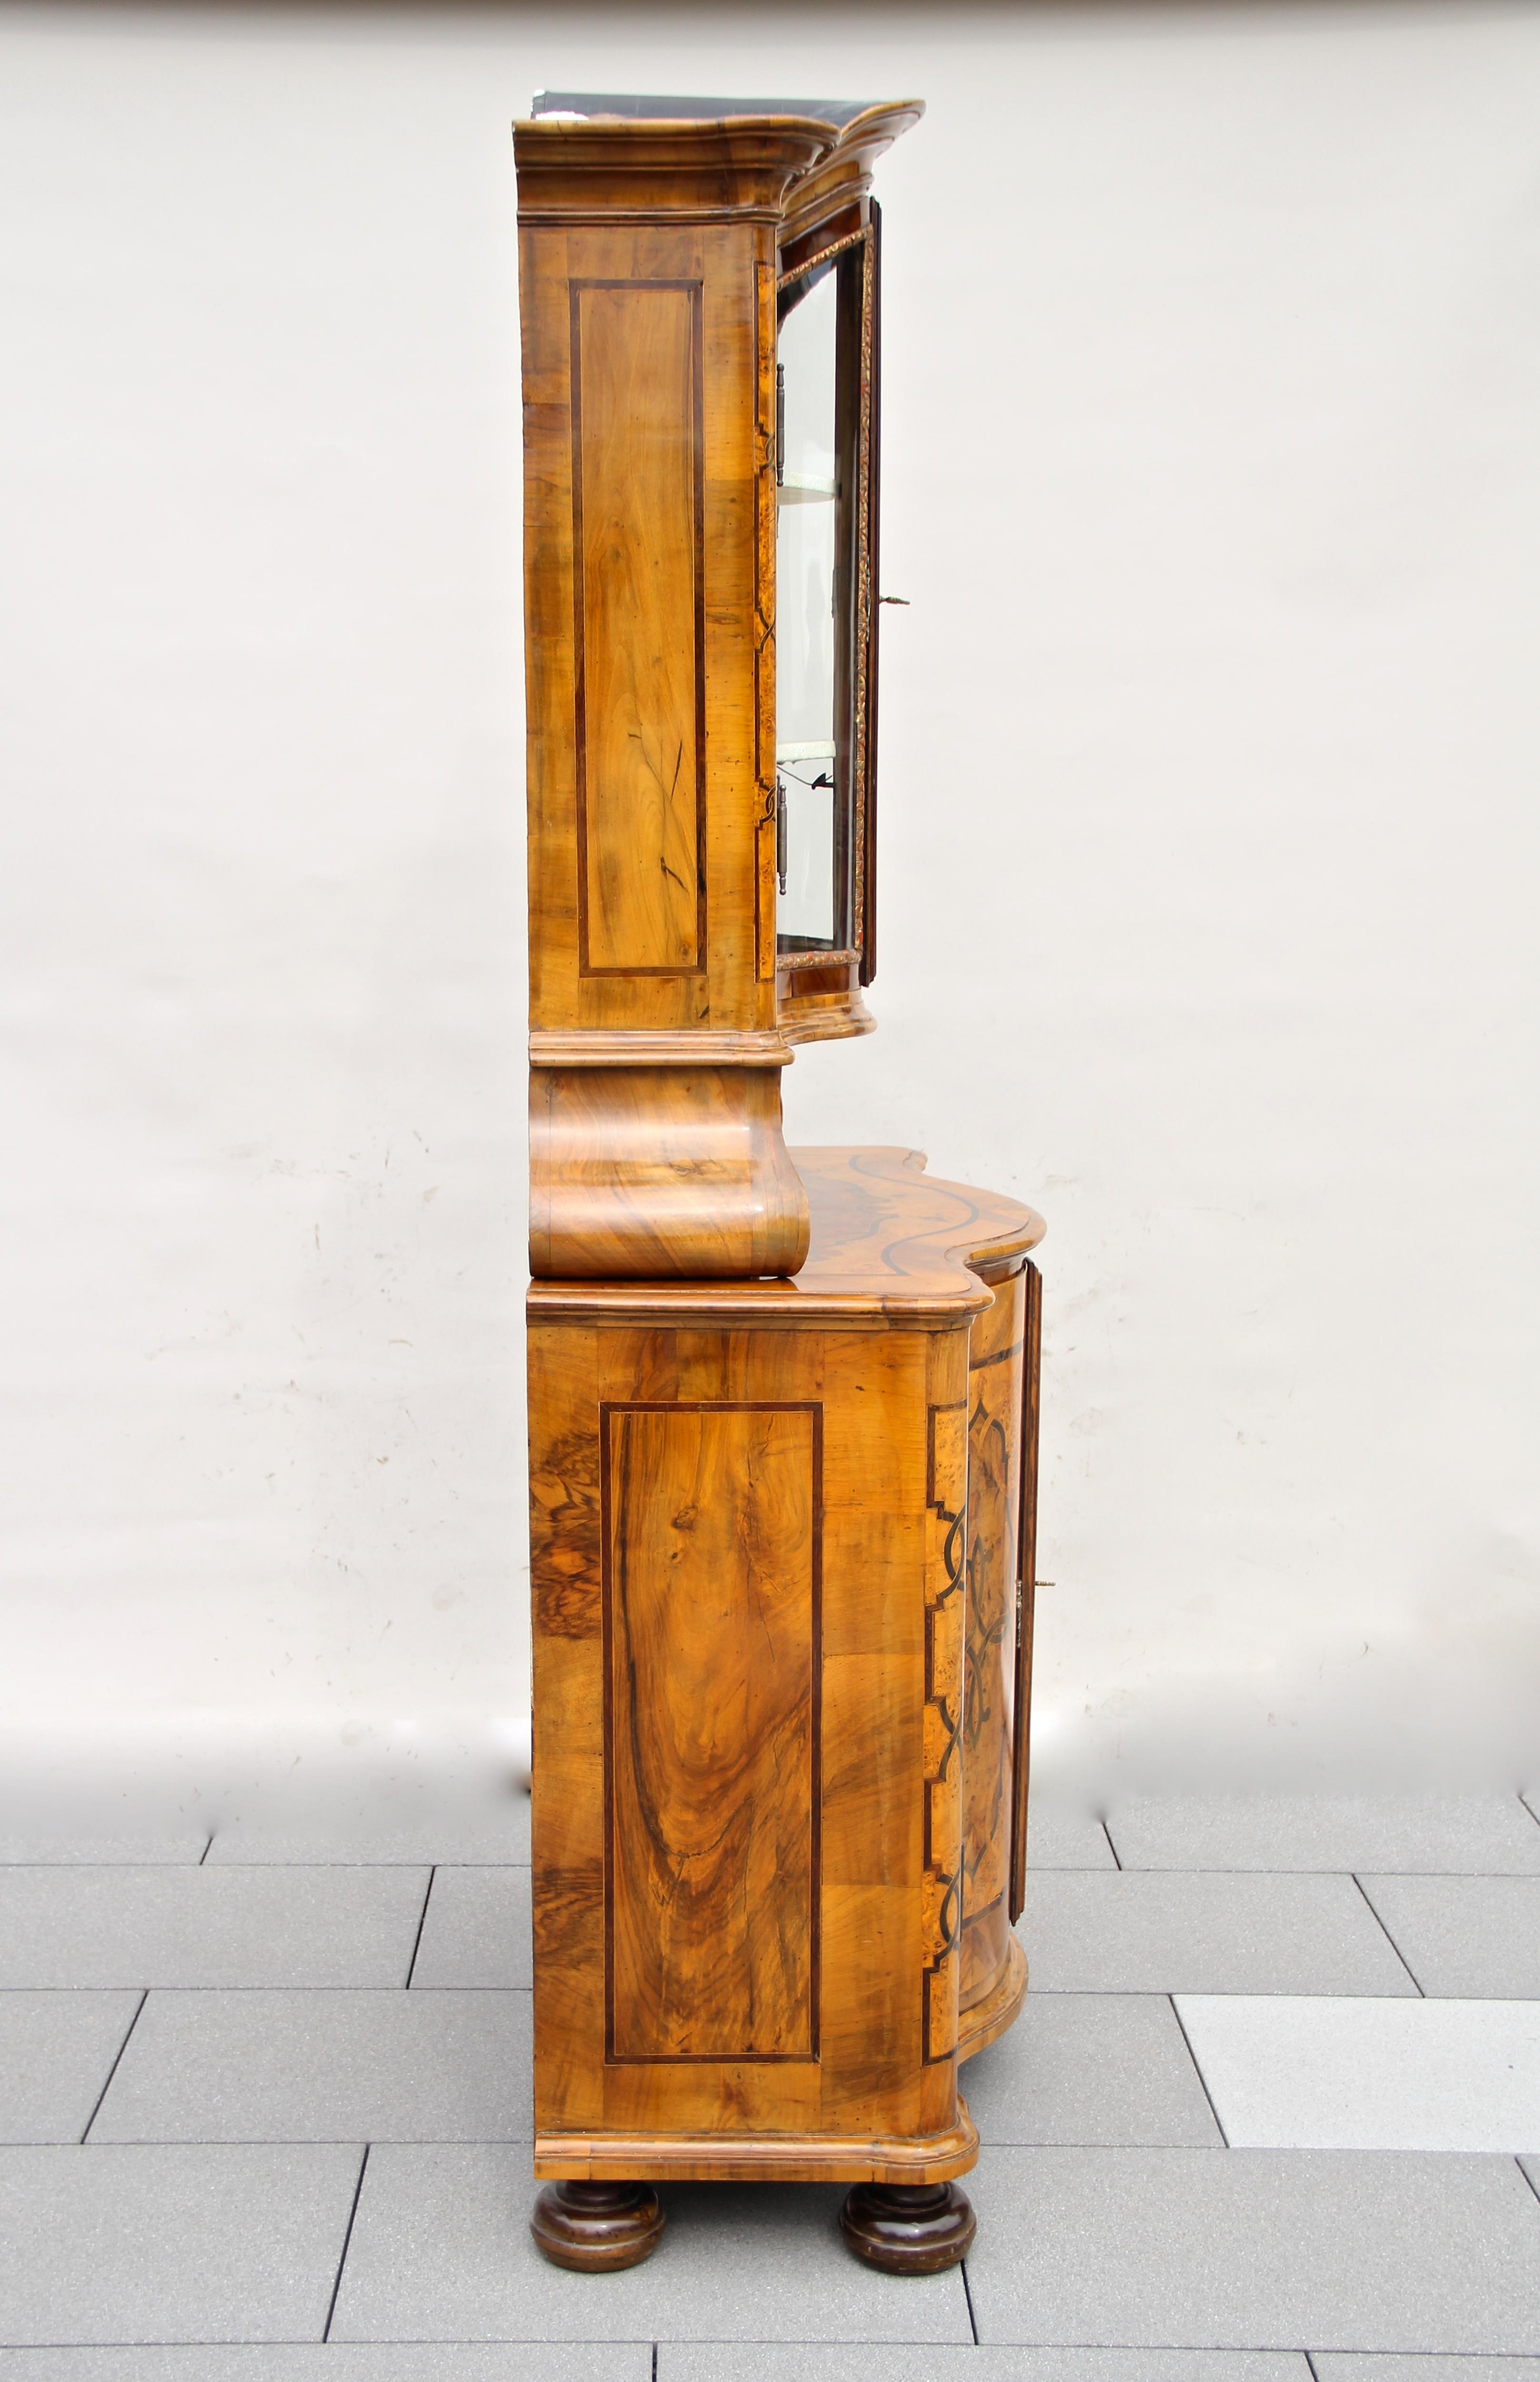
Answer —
(1058, 1837)
(722, 2362)
(1255, 2248)
(441, 2248)
(1089, 2067)
(500, 1836)
(57, 2052)
(1473, 1834)
(328, 2067)
(175, 2243)
(52, 1813)
(33, 1844)
(428, 2361)
(1330, 2368)
(1128, 1931)
(476, 1930)
(1464, 1935)
(208, 1927)
(1342, 2074)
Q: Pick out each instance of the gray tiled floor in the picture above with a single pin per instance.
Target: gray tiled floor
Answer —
(1132, 1933)
(208, 1927)
(323, 2067)
(57, 2052)
(440, 2250)
(1120, 2241)
(190, 2243)
(338, 2362)
(1479, 1835)
(1090, 2068)
(1058, 1837)
(714, 2362)
(1344, 2071)
(1332, 2368)
(1270, 2249)
(499, 1836)
(1465, 1935)
(29, 1840)
(475, 1931)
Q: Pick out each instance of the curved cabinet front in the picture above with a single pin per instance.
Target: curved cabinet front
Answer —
(1001, 1500)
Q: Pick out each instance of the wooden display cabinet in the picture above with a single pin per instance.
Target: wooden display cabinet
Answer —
(782, 1403)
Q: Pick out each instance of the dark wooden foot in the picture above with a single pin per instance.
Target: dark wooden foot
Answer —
(909, 2229)
(598, 2226)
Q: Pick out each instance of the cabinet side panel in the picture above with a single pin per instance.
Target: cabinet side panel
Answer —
(711, 1596)
(639, 625)
(546, 331)
(568, 1816)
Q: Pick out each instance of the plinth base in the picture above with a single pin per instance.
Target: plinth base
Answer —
(909, 2229)
(597, 2226)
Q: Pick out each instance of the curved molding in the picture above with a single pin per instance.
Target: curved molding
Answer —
(593, 1047)
(658, 1173)
(842, 177)
(1000, 2009)
(822, 1004)
(655, 166)
(765, 2159)
(892, 1248)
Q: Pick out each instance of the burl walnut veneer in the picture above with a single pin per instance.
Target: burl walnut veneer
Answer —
(783, 1403)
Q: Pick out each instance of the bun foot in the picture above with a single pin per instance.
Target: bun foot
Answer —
(909, 2229)
(598, 2226)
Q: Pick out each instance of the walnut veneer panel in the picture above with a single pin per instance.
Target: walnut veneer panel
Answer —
(647, 1172)
(864, 1904)
(639, 625)
(712, 1672)
(666, 578)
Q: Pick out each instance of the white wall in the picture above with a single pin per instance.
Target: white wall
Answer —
(1209, 855)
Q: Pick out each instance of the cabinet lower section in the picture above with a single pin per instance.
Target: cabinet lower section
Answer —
(747, 1776)
(776, 1748)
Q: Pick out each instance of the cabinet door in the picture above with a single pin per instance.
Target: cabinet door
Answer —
(1027, 1549)
(826, 605)
(989, 1729)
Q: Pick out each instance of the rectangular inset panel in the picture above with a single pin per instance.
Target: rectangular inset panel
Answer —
(639, 626)
(711, 1590)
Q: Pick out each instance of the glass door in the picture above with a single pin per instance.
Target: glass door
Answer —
(825, 604)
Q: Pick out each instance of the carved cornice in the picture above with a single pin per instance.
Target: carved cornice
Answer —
(842, 178)
(618, 166)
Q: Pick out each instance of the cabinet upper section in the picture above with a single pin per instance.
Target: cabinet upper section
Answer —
(699, 289)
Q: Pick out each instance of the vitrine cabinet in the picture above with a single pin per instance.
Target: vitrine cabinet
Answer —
(783, 1403)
